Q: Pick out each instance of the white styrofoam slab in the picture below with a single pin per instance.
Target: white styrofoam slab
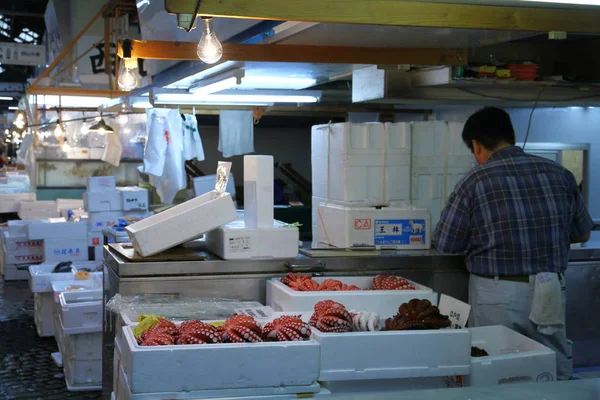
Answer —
(232, 365)
(173, 226)
(81, 312)
(41, 277)
(394, 354)
(512, 358)
(14, 272)
(384, 302)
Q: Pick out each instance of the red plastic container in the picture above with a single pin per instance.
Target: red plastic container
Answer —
(523, 72)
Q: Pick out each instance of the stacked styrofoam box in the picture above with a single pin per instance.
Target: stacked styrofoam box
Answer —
(63, 241)
(439, 160)
(17, 253)
(43, 309)
(38, 209)
(361, 164)
(80, 321)
(10, 203)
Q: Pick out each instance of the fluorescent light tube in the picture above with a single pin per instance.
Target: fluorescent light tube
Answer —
(269, 82)
(577, 2)
(6, 98)
(71, 101)
(141, 104)
(13, 108)
(218, 83)
(243, 97)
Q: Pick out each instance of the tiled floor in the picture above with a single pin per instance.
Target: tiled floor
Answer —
(26, 369)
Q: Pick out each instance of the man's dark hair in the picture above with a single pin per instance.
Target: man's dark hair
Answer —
(491, 127)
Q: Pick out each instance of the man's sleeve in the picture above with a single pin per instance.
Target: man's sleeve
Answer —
(453, 232)
(582, 222)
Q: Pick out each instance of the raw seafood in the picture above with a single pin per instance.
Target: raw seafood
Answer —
(330, 316)
(477, 352)
(307, 285)
(240, 329)
(286, 328)
(199, 334)
(389, 282)
(291, 277)
(417, 314)
(365, 321)
(158, 339)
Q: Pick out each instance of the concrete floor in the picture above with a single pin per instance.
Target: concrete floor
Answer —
(26, 369)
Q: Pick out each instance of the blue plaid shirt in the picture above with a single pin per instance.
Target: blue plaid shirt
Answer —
(513, 215)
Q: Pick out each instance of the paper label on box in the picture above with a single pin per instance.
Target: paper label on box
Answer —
(240, 244)
(256, 312)
(456, 310)
(133, 202)
(399, 232)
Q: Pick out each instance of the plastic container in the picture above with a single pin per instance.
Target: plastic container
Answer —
(41, 277)
(181, 223)
(394, 354)
(523, 72)
(81, 312)
(281, 297)
(217, 366)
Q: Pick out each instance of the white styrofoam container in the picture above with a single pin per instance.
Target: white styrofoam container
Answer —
(281, 297)
(513, 358)
(439, 144)
(390, 388)
(69, 204)
(81, 312)
(393, 354)
(38, 205)
(79, 346)
(258, 191)
(81, 286)
(41, 277)
(14, 272)
(14, 242)
(82, 375)
(181, 223)
(134, 198)
(101, 183)
(361, 164)
(399, 227)
(57, 229)
(30, 255)
(43, 307)
(99, 253)
(20, 228)
(108, 200)
(97, 222)
(95, 239)
(66, 249)
(228, 365)
(236, 242)
(10, 203)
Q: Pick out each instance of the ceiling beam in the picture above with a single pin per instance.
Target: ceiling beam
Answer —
(12, 13)
(399, 13)
(64, 91)
(160, 50)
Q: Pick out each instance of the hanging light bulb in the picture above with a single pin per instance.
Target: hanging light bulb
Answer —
(209, 49)
(58, 131)
(128, 76)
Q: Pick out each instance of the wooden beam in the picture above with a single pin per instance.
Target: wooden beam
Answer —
(64, 91)
(399, 13)
(159, 50)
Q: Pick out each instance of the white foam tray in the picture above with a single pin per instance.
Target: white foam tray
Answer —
(394, 354)
(181, 223)
(81, 312)
(512, 358)
(385, 302)
(41, 277)
(43, 306)
(227, 365)
(13, 272)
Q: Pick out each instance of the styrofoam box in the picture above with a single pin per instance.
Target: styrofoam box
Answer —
(133, 198)
(43, 306)
(38, 205)
(386, 388)
(512, 358)
(281, 297)
(205, 184)
(361, 164)
(69, 204)
(10, 203)
(13, 243)
(59, 335)
(258, 191)
(235, 242)
(31, 255)
(81, 346)
(99, 253)
(232, 365)
(97, 222)
(404, 227)
(439, 144)
(83, 374)
(108, 200)
(41, 277)
(181, 223)
(95, 239)
(66, 249)
(14, 272)
(394, 354)
(101, 183)
(20, 228)
(88, 286)
(81, 312)
(57, 228)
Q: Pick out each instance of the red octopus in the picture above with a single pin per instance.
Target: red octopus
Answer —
(162, 327)
(158, 339)
(200, 333)
(240, 329)
(307, 285)
(389, 282)
(330, 316)
(291, 277)
(286, 328)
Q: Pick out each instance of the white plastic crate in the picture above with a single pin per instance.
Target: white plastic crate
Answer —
(81, 312)
(394, 354)
(83, 375)
(41, 277)
(181, 223)
(236, 242)
(226, 365)
(513, 358)
(361, 164)
(15, 272)
(384, 302)
(398, 227)
(43, 307)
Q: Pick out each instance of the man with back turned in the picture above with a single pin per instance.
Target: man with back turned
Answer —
(515, 216)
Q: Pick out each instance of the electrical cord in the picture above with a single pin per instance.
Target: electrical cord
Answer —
(198, 4)
(531, 116)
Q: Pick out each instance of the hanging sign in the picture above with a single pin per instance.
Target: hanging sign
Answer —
(22, 54)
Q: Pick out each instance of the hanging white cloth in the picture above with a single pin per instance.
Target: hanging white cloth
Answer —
(192, 146)
(156, 146)
(236, 132)
(546, 308)
(113, 149)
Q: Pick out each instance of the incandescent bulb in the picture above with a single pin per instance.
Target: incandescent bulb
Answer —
(122, 119)
(209, 49)
(58, 131)
(102, 131)
(127, 79)
(66, 148)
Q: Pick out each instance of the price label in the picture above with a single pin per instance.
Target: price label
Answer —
(256, 312)
(456, 310)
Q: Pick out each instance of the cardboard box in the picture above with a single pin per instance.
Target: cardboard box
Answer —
(133, 198)
(108, 200)
(66, 249)
(57, 229)
(101, 183)
(258, 191)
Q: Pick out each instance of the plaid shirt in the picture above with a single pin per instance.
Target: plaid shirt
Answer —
(513, 215)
